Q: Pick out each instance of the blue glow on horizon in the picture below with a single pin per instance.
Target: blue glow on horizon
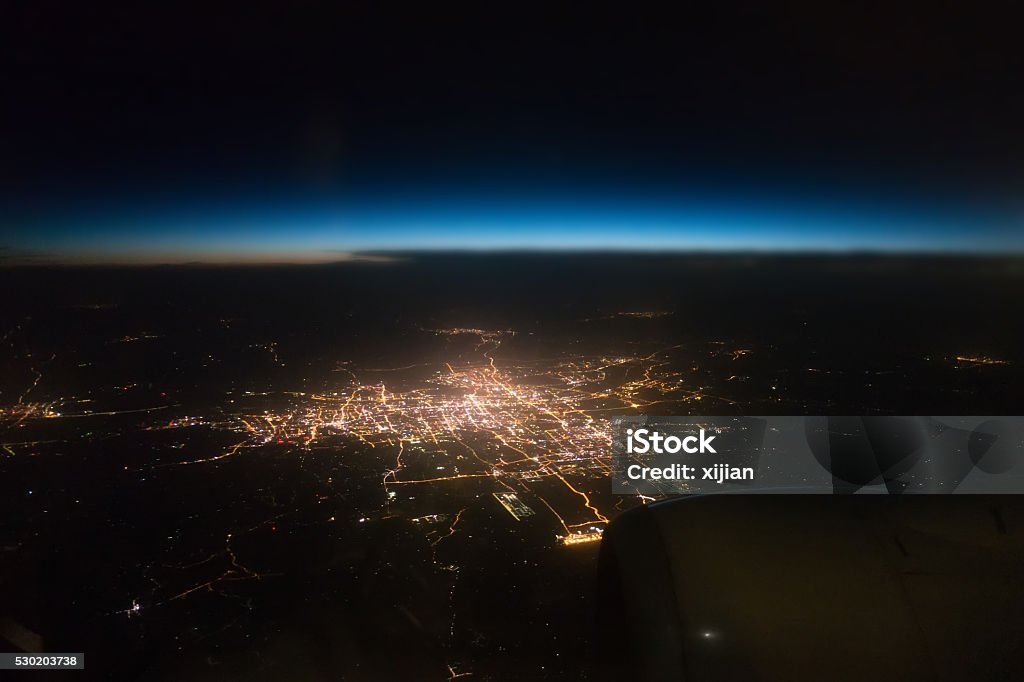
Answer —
(329, 230)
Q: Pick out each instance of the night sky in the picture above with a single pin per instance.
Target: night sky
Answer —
(153, 134)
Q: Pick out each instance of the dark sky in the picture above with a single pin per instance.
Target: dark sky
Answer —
(147, 110)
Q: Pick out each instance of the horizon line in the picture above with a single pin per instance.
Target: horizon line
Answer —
(393, 256)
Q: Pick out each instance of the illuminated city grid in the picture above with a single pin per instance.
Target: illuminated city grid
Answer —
(515, 424)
